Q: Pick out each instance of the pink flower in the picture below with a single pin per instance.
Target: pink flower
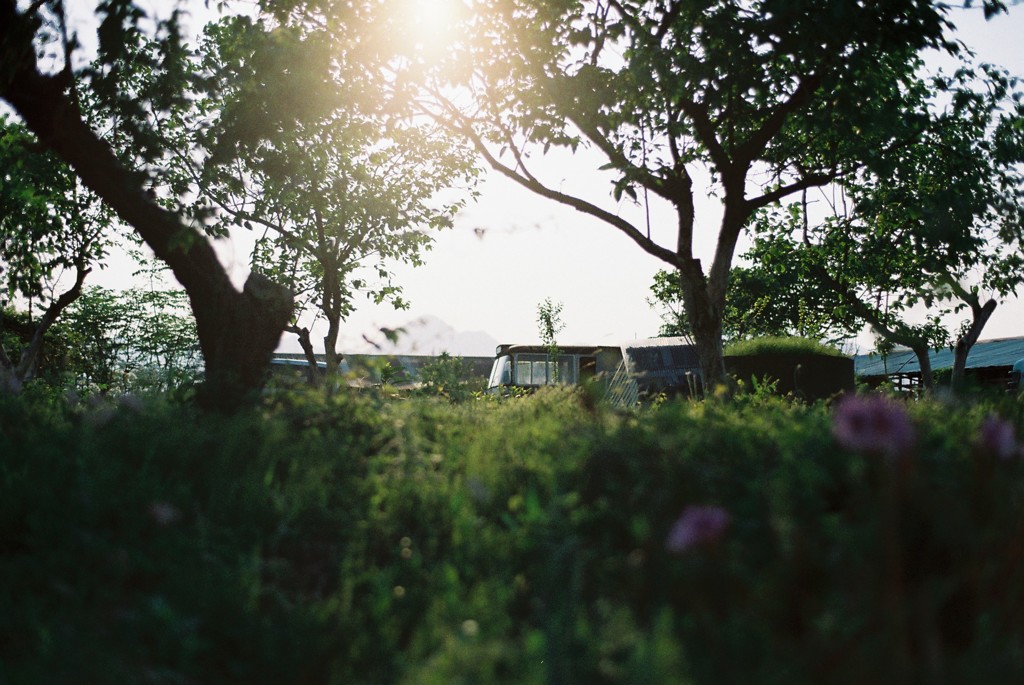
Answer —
(698, 525)
(998, 437)
(873, 424)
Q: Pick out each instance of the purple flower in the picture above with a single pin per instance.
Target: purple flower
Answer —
(697, 525)
(998, 437)
(873, 424)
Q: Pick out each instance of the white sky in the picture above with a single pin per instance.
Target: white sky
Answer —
(532, 248)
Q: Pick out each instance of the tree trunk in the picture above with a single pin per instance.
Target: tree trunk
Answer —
(331, 346)
(924, 360)
(708, 339)
(17, 374)
(706, 324)
(8, 382)
(315, 375)
(965, 342)
(237, 331)
(30, 355)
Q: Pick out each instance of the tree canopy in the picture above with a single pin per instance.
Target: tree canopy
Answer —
(279, 118)
(336, 197)
(768, 297)
(53, 232)
(40, 80)
(765, 98)
(754, 94)
(940, 224)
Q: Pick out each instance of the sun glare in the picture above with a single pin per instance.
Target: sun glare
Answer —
(432, 22)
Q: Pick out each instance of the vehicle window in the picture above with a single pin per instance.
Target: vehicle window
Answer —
(565, 371)
(543, 373)
(524, 372)
(535, 369)
(501, 372)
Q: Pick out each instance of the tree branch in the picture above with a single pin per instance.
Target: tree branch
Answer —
(580, 205)
(644, 176)
(237, 330)
(31, 352)
(755, 145)
(705, 130)
(809, 181)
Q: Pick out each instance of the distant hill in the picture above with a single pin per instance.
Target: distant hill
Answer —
(428, 335)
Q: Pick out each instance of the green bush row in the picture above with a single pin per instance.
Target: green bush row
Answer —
(540, 540)
(780, 345)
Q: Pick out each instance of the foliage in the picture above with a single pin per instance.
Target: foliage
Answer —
(549, 324)
(669, 93)
(938, 223)
(132, 341)
(781, 345)
(51, 228)
(341, 539)
(764, 299)
(450, 377)
(337, 193)
(54, 355)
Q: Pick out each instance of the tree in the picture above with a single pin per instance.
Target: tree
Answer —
(337, 196)
(52, 230)
(940, 224)
(664, 90)
(550, 324)
(237, 331)
(131, 340)
(767, 298)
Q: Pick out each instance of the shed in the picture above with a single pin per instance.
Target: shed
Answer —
(988, 363)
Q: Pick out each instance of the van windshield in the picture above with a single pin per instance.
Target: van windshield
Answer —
(501, 372)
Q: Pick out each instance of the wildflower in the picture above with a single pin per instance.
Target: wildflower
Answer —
(163, 513)
(998, 437)
(698, 525)
(873, 424)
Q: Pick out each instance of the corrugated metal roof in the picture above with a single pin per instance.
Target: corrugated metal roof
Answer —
(985, 353)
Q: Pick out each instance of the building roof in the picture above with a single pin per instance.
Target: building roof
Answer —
(985, 353)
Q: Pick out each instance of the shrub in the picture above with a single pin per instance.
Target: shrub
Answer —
(543, 539)
(450, 377)
(780, 345)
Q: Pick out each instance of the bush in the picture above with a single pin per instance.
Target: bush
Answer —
(537, 540)
(450, 377)
(780, 345)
